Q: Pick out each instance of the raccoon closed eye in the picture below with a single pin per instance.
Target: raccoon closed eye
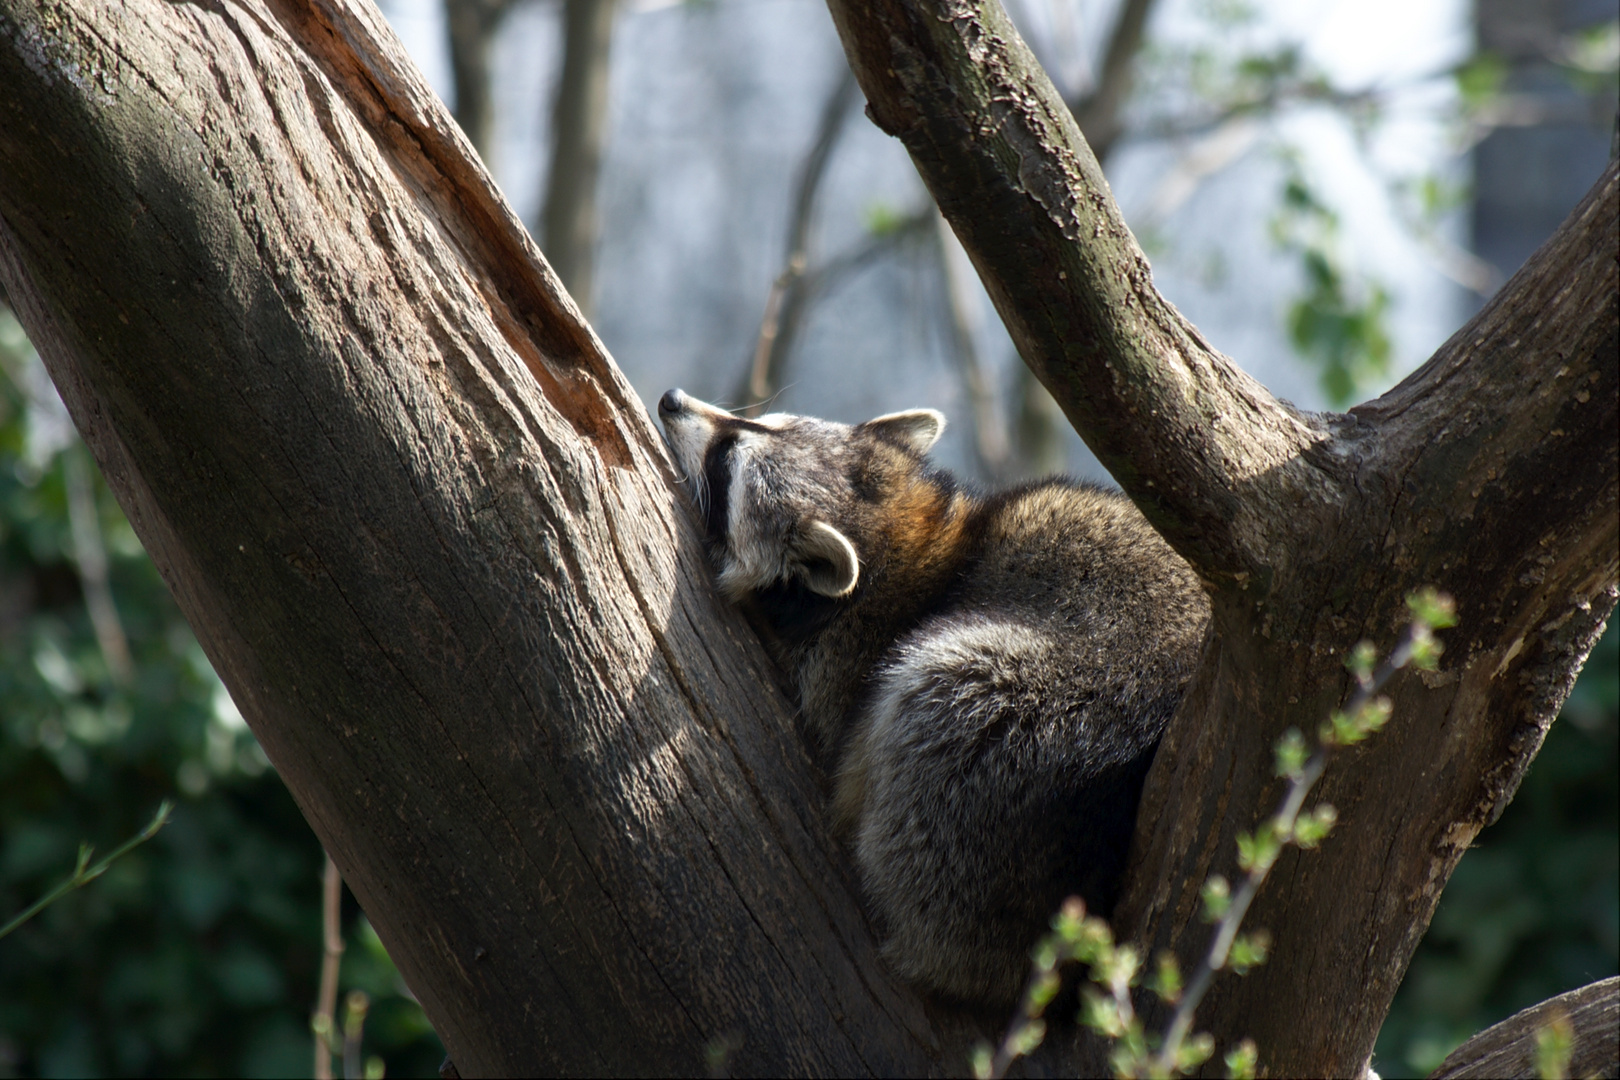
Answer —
(717, 479)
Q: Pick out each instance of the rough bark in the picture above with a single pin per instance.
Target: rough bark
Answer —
(1490, 473)
(431, 542)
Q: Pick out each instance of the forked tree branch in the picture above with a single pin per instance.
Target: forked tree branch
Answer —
(1490, 474)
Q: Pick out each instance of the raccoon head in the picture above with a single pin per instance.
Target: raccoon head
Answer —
(788, 499)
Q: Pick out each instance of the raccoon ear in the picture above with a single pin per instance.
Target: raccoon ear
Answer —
(828, 560)
(916, 428)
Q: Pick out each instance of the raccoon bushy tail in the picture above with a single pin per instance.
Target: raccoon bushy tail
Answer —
(976, 811)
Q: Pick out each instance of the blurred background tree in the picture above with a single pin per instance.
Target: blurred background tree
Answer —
(751, 235)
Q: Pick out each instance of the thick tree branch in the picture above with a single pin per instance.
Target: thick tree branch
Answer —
(1490, 474)
(1178, 425)
(1509, 1048)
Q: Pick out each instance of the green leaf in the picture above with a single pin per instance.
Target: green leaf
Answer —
(1361, 660)
(1432, 607)
(1166, 980)
(1100, 1013)
(1248, 951)
(1069, 920)
(1195, 1051)
(1312, 827)
(1029, 1036)
(1347, 729)
(1480, 79)
(1291, 754)
(1217, 897)
(1260, 850)
(1241, 1060)
(1041, 993)
(982, 1059)
(883, 219)
(1555, 1045)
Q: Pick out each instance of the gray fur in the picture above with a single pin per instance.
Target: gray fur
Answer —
(988, 680)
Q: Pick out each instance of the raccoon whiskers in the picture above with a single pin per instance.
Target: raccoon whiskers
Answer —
(700, 491)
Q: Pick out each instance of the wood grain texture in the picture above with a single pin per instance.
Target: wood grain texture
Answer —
(1508, 1049)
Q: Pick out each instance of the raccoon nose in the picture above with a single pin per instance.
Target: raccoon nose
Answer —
(672, 402)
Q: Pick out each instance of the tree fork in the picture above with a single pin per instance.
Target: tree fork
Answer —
(1490, 473)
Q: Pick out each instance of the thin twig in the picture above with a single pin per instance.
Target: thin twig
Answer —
(1090, 941)
(90, 554)
(355, 1007)
(813, 283)
(1098, 112)
(324, 1024)
(770, 347)
(1286, 816)
(989, 431)
(84, 873)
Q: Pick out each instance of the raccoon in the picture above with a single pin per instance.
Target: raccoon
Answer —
(986, 675)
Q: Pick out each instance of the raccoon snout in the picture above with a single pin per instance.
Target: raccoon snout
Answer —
(672, 402)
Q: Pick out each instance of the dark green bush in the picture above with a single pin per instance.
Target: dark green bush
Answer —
(199, 952)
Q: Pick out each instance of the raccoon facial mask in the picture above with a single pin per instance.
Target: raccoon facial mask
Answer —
(770, 490)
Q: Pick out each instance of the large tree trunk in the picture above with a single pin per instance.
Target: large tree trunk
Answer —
(430, 541)
(434, 547)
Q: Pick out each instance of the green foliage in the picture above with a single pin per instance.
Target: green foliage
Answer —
(1339, 322)
(1534, 909)
(1242, 1059)
(1217, 897)
(1480, 78)
(1590, 60)
(198, 952)
(881, 219)
(1555, 1045)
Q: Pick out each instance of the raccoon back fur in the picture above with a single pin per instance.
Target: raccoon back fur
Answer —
(987, 675)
